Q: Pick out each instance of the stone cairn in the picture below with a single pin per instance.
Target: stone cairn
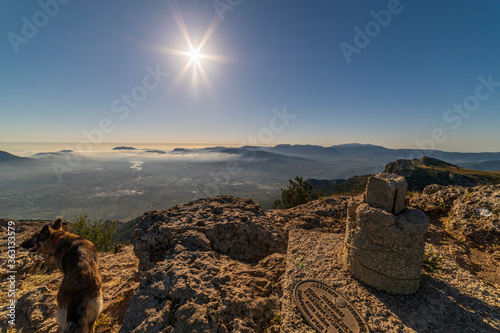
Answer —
(384, 240)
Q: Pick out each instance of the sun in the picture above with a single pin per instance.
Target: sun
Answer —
(197, 59)
(195, 56)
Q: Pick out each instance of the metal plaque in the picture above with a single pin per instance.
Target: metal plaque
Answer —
(327, 310)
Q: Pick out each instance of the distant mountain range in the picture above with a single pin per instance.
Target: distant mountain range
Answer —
(313, 161)
(378, 153)
(370, 156)
(124, 148)
(7, 157)
(57, 153)
(485, 166)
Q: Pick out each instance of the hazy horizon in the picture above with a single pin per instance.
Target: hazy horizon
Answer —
(122, 184)
(24, 149)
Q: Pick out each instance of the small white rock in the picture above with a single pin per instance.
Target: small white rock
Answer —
(484, 212)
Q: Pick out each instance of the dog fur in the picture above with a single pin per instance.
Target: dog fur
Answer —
(79, 299)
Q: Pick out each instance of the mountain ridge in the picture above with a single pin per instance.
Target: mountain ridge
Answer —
(369, 152)
(8, 157)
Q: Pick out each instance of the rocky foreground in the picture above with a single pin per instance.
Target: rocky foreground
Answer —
(218, 265)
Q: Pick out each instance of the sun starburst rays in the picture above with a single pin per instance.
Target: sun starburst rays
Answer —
(196, 58)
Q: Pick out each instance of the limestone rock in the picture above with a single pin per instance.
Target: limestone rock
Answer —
(460, 206)
(203, 291)
(437, 200)
(387, 191)
(384, 250)
(37, 308)
(236, 227)
(210, 265)
(466, 221)
(327, 214)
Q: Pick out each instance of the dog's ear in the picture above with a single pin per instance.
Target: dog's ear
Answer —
(43, 234)
(57, 224)
(28, 244)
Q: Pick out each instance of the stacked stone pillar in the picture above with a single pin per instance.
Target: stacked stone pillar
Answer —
(384, 240)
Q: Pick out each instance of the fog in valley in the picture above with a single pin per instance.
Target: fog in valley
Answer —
(124, 182)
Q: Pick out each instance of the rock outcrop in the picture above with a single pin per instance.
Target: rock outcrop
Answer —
(210, 265)
(476, 216)
(437, 200)
(326, 214)
(425, 171)
(470, 214)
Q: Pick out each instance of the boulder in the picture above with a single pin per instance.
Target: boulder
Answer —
(211, 265)
(475, 217)
(236, 227)
(472, 214)
(437, 200)
(203, 291)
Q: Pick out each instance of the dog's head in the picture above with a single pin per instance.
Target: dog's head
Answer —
(42, 240)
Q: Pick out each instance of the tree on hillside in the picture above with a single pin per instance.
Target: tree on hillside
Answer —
(297, 193)
(101, 233)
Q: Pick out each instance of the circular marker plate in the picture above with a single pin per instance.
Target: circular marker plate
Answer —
(326, 310)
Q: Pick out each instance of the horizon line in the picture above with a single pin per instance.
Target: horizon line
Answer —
(232, 145)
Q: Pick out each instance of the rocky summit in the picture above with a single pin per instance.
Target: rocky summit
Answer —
(222, 264)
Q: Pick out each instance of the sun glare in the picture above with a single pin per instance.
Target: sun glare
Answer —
(195, 59)
(195, 56)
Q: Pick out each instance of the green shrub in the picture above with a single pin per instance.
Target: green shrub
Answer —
(432, 261)
(101, 232)
(297, 193)
(300, 263)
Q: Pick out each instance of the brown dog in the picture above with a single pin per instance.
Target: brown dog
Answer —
(79, 299)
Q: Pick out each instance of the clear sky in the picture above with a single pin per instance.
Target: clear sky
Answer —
(401, 74)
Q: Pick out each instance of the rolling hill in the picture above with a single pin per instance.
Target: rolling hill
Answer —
(7, 157)
(426, 171)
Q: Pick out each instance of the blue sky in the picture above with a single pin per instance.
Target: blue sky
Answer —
(398, 89)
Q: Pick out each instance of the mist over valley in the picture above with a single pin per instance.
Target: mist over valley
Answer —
(124, 181)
